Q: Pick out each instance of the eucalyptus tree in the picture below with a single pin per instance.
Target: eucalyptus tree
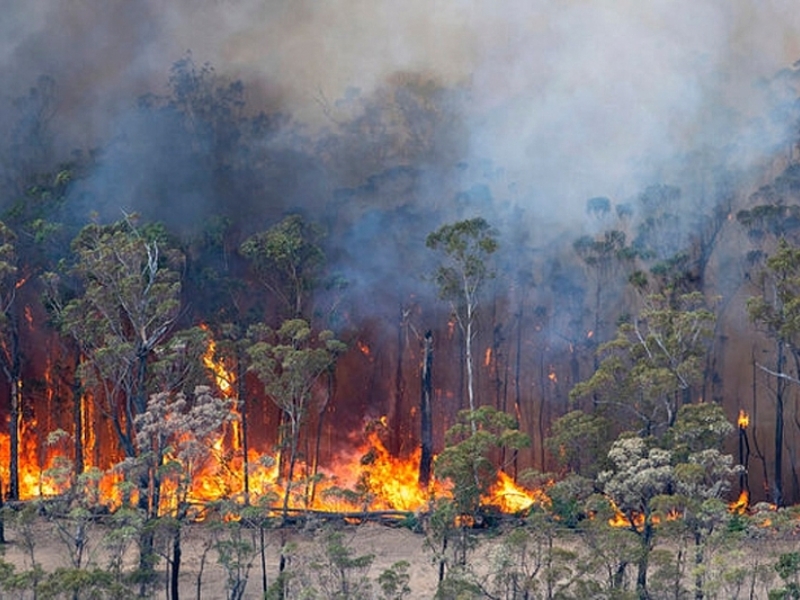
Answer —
(639, 474)
(773, 228)
(777, 310)
(646, 373)
(126, 307)
(465, 249)
(287, 259)
(175, 436)
(289, 362)
(703, 476)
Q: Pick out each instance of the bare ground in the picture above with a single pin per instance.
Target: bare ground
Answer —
(201, 560)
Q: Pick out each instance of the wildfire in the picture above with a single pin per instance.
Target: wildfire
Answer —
(552, 376)
(487, 358)
(740, 505)
(744, 420)
(364, 348)
(509, 497)
(223, 377)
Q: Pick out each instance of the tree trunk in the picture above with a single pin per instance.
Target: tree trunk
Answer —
(780, 389)
(77, 419)
(698, 564)
(263, 550)
(646, 537)
(2, 522)
(14, 423)
(295, 434)
(242, 394)
(426, 417)
(176, 563)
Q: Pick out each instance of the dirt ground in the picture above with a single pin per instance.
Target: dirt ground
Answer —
(388, 545)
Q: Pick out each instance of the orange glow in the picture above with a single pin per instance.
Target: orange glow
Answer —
(744, 420)
(364, 348)
(552, 375)
(487, 358)
(740, 505)
(510, 497)
(223, 377)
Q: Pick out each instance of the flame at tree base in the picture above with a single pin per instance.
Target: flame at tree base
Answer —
(368, 479)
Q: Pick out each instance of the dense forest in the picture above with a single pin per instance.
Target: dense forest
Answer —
(208, 297)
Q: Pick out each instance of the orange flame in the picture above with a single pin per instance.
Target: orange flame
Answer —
(744, 420)
(740, 505)
(510, 497)
(487, 359)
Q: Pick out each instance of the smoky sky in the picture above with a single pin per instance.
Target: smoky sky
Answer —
(571, 99)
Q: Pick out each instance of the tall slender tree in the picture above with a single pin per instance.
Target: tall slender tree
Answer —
(465, 248)
(10, 359)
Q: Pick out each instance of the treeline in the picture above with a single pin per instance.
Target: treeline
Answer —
(222, 215)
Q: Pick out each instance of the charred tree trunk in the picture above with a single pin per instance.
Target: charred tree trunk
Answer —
(698, 566)
(15, 421)
(77, 418)
(646, 539)
(426, 417)
(242, 394)
(2, 523)
(11, 368)
(318, 441)
(398, 430)
(517, 391)
(176, 563)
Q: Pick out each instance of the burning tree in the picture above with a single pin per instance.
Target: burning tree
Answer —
(127, 307)
(175, 436)
(9, 349)
(289, 362)
(638, 475)
(777, 310)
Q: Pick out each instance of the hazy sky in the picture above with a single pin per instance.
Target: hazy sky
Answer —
(571, 94)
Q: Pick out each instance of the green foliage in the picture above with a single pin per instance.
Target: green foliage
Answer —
(465, 247)
(288, 260)
(394, 581)
(458, 587)
(698, 427)
(777, 308)
(788, 569)
(130, 301)
(341, 575)
(289, 362)
(579, 442)
(467, 460)
(652, 363)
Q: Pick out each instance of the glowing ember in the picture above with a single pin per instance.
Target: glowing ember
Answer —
(487, 358)
(364, 348)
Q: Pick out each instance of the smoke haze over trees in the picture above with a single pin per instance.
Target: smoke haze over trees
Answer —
(646, 126)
